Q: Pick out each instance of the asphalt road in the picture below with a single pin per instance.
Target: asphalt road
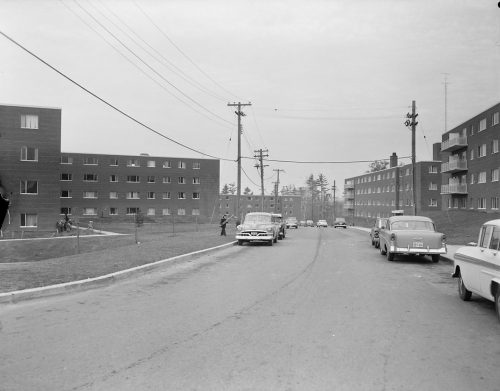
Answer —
(320, 310)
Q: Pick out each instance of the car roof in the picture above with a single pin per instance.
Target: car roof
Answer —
(409, 218)
(259, 213)
(493, 222)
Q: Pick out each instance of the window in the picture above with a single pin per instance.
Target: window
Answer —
(90, 177)
(90, 211)
(182, 164)
(471, 179)
(132, 211)
(113, 195)
(165, 212)
(481, 150)
(196, 181)
(29, 121)
(182, 180)
(65, 211)
(66, 177)
(484, 235)
(29, 154)
(151, 179)
(151, 195)
(166, 179)
(495, 175)
(481, 203)
(113, 178)
(90, 194)
(482, 124)
(133, 195)
(433, 186)
(166, 195)
(197, 166)
(495, 239)
(181, 212)
(167, 164)
(494, 202)
(494, 146)
(29, 220)
(151, 163)
(151, 211)
(65, 193)
(29, 187)
(495, 118)
(133, 163)
(196, 196)
(482, 177)
(92, 161)
(195, 212)
(133, 178)
(66, 160)
(433, 202)
(113, 162)
(181, 195)
(113, 211)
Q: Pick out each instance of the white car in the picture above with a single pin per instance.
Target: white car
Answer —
(477, 266)
(322, 223)
(257, 227)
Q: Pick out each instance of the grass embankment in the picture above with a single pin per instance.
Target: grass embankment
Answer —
(35, 263)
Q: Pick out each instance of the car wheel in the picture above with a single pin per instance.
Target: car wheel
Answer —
(270, 243)
(240, 242)
(463, 292)
(381, 247)
(435, 258)
(497, 302)
(377, 244)
(390, 256)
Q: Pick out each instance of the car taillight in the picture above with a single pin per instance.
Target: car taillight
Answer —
(443, 239)
(393, 237)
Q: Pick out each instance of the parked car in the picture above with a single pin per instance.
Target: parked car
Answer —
(278, 220)
(309, 223)
(291, 222)
(411, 235)
(303, 223)
(257, 227)
(477, 266)
(379, 222)
(321, 223)
(339, 223)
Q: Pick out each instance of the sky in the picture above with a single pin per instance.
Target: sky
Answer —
(329, 81)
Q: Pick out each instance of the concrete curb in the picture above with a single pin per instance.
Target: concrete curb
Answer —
(80, 285)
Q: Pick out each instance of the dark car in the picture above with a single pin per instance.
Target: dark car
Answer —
(379, 222)
(339, 223)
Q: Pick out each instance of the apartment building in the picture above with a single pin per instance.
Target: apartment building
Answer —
(378, 194)
(287, 205)
(43, 184)
(471, 163)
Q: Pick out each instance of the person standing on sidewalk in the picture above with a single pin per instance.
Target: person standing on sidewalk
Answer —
(223, 223)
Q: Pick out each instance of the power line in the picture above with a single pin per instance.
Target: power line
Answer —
(322, 162)
(109, 104)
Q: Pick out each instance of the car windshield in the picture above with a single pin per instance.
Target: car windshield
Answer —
(257, 219)
(413, 225)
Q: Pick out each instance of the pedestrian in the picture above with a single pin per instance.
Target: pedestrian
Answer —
(223, 222)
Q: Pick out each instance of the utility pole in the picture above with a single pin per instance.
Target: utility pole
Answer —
(445, 101)
(410, 122)
(240, 114)
(261, 155)
(277, 187)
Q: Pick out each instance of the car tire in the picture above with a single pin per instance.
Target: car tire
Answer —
(497, 302)
(377, 244)
(463, 292)
(435, 258)
(381, 248)
(270, 242)
(240, 242)
(390, 256)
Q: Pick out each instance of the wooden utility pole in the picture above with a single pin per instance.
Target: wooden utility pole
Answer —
(240, 114)
(278, 170)
(261, 155)
(410, 122)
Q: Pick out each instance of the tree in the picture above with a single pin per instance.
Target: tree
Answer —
(312, 185)
(232, 188)
(378, 165)
(247, 191)
(225, 189)
(322, 183)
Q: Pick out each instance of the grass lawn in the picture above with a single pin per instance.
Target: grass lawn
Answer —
(34, 263)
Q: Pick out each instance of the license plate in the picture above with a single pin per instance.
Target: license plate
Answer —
(253, 233)
(418, 244)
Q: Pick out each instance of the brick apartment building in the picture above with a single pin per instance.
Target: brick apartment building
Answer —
(287, 205)
(471, 163)
(377, 194)
(43, 184)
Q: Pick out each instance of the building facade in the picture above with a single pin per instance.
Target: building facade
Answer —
(43, 184)
(287, 205)
(471, 163)
(378, 194)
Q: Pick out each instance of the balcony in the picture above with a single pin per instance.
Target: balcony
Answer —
(349, 185)
(453, 143)
(348, 205)
(349, 194)
(454, 165)
(460, 188)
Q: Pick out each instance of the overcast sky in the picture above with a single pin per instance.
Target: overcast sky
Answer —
(328, 80)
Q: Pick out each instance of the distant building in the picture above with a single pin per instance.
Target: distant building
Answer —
(379, 193)
(287, 205)
(44, 184)
(471, 163)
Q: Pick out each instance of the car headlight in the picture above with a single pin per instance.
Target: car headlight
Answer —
(269, 229)
(239, 227)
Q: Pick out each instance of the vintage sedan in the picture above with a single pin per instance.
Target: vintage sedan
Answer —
(339, 223)
(477, 266)
(414, 235)
(321, 224)
(291, 222)
(257, 227)
(379, 222)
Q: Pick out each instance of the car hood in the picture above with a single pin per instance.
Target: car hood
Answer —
(256, 226)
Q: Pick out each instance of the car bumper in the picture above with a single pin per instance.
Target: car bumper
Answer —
(255, 238)
(419, 250)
